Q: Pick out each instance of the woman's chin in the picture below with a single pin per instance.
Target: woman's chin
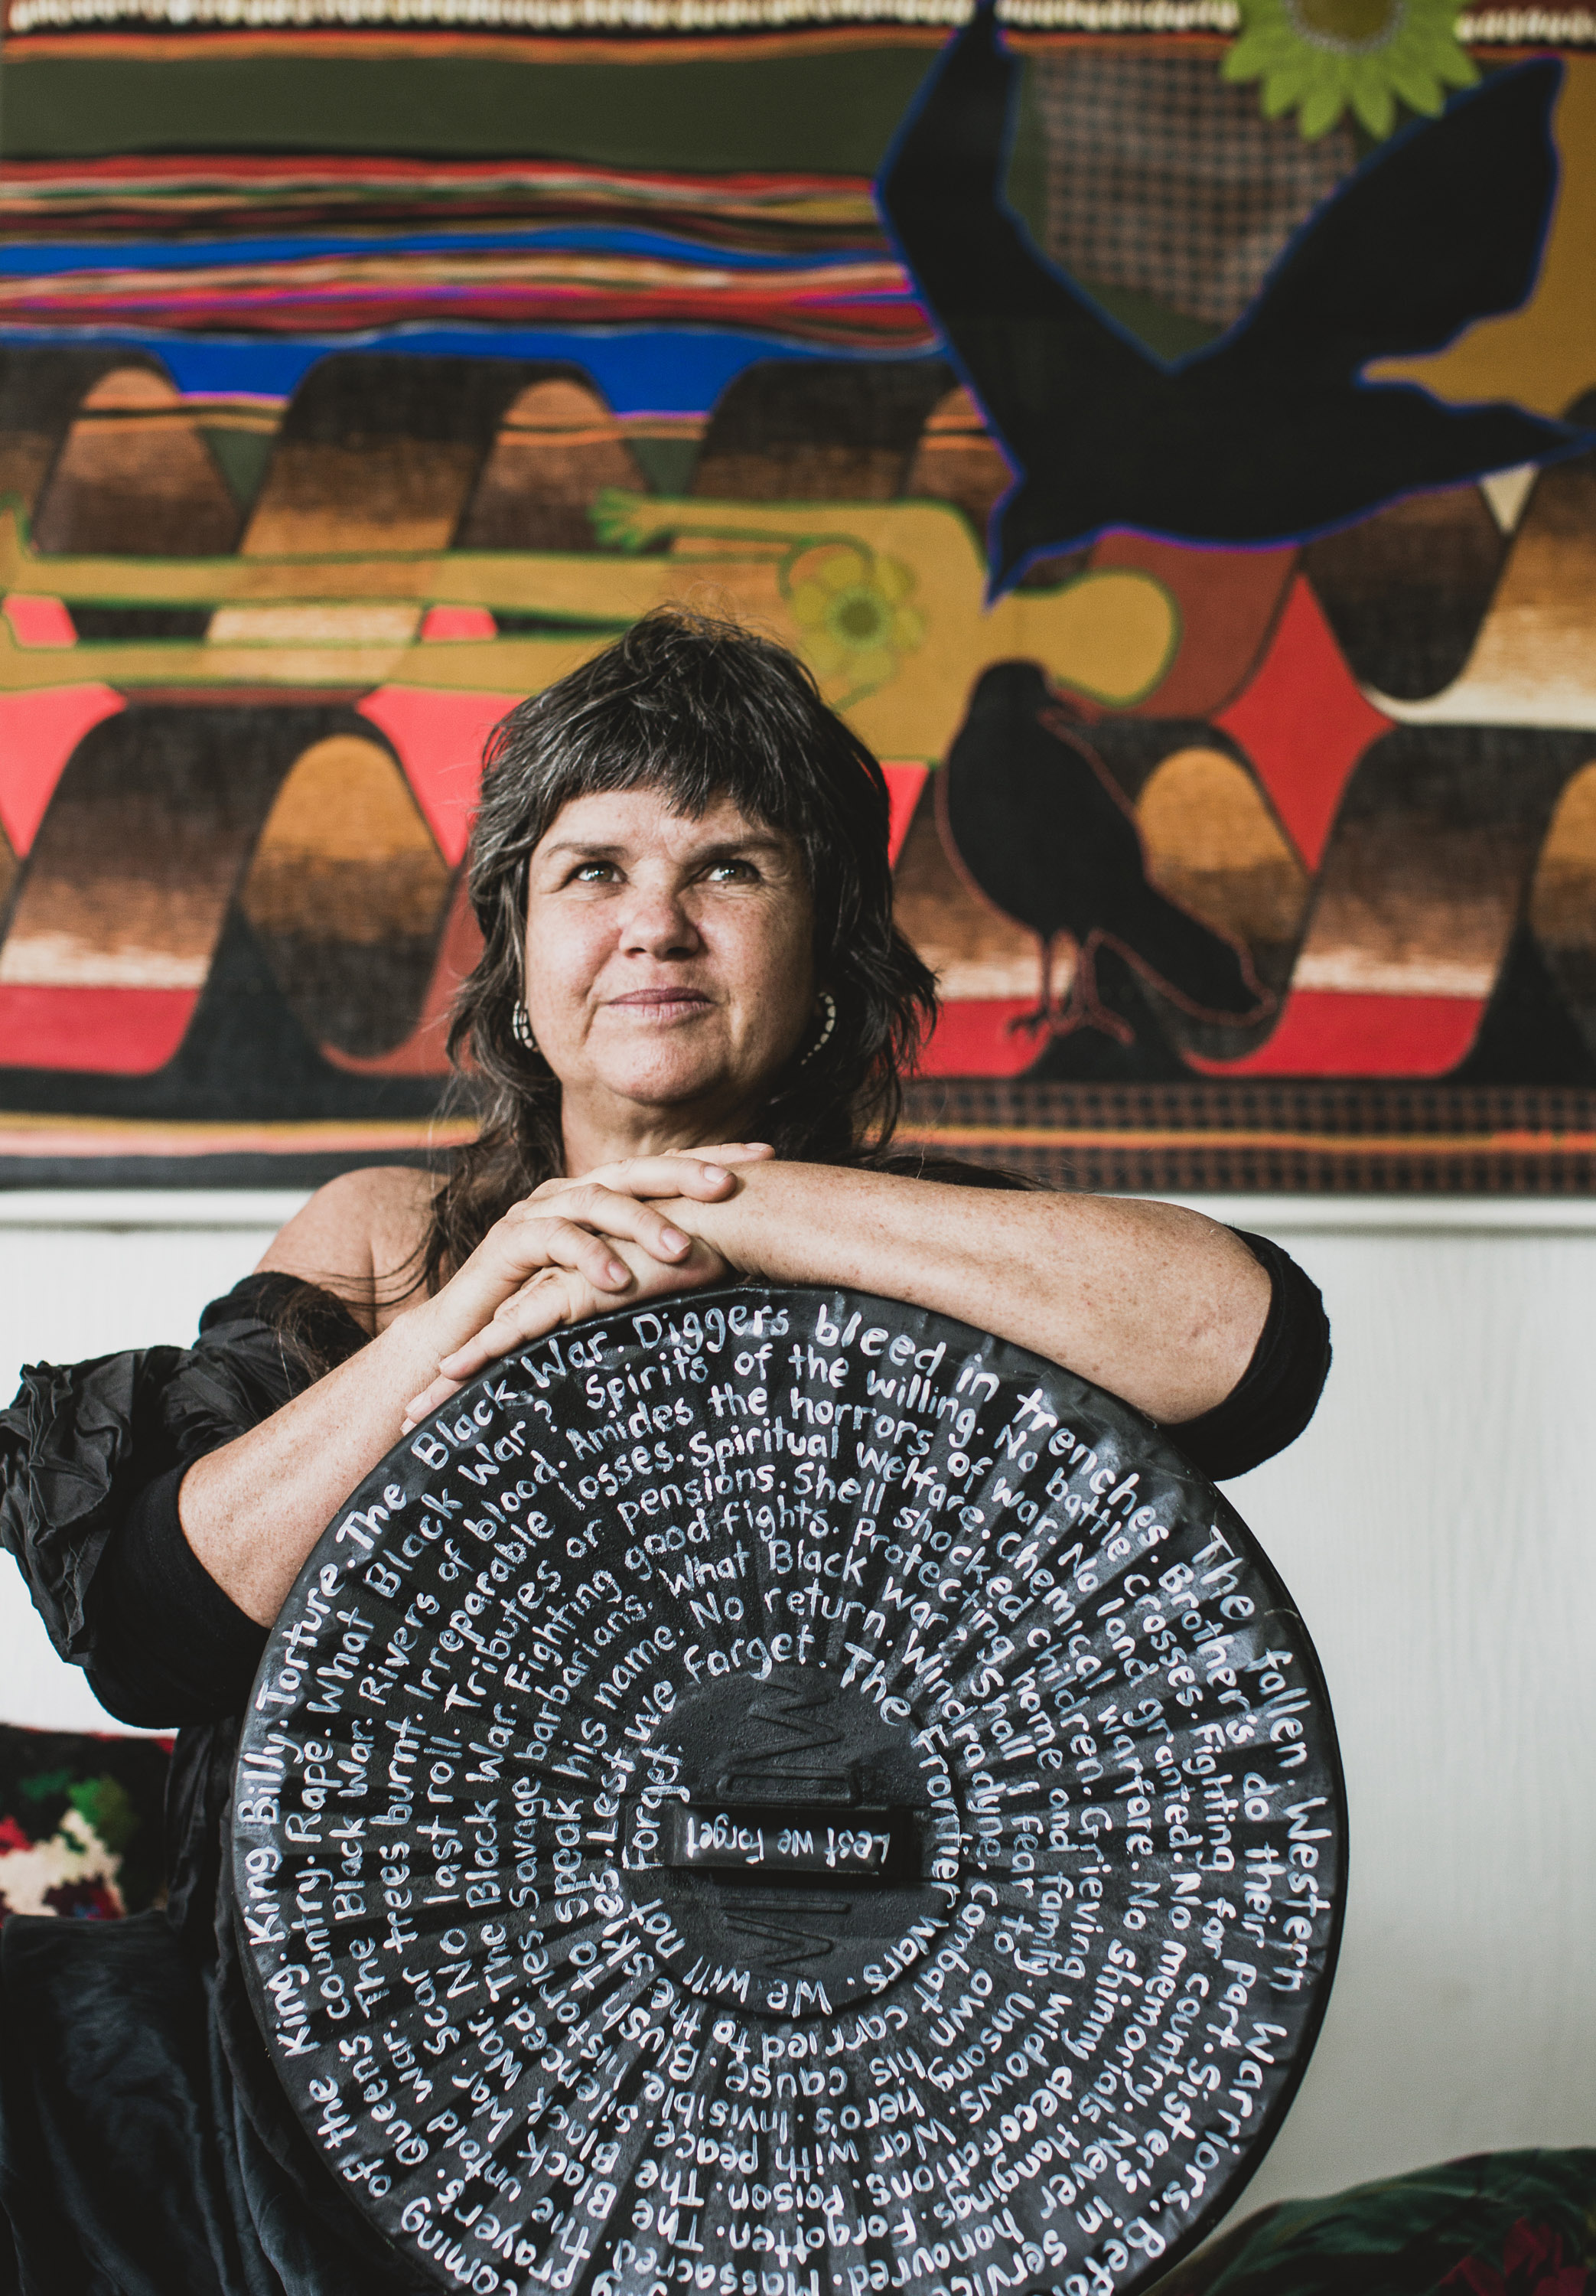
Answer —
(665, 1079)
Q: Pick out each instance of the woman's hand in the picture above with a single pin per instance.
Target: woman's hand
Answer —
(574, 1248)
(615, 1203)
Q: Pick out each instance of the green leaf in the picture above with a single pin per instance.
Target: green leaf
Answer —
(40, 1787)
(1372, 101)
(1243, 62)
(1322, 108)
(1455, 64)
(1417, 86)
(1254, 53)
(1287, 83)
(108, 1809)
(615, 517)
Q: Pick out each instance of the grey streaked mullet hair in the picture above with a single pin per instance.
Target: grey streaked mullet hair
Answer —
(701, 711)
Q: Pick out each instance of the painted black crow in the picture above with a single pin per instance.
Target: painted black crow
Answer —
(1037, 824)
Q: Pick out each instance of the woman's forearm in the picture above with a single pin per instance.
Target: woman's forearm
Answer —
(1156, 1304)
(1153, 1302)
(253, 1510)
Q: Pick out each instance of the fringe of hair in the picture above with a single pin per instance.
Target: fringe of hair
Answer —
(701, 711)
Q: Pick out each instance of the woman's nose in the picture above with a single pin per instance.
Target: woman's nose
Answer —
(657, 923)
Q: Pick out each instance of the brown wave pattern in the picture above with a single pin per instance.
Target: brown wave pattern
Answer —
(1461, 855)
(1455, 852)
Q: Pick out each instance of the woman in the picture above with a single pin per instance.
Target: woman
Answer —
(689, 1027)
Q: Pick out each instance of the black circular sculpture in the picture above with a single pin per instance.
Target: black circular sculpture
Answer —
(780, 1794)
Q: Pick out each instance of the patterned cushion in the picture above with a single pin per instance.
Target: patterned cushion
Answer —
(1498, 2224)
(80, 1824)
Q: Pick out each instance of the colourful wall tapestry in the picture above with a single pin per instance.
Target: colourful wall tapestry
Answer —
(1174, 454)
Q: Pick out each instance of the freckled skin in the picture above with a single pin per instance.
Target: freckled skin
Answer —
(670, 977)
(669, 969)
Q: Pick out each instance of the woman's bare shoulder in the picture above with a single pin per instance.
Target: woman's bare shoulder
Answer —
(361, 1237)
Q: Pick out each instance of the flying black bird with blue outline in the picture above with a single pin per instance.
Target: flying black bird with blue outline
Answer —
(1268, 434)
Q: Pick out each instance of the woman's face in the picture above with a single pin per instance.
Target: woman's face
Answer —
(670, 969)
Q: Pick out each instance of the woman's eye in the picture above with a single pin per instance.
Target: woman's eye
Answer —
(593, 872)
(733, 872)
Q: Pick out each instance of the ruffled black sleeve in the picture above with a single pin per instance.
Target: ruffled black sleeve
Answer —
(91, 1456)
(168, 1644)
(1275, 1396)
(76, 1446)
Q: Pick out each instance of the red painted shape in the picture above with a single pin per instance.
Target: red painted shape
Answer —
(973, 1038)
(39, 621)
(423, 1051)
(458, 622)
(108, 1032)
(1228, 601)
(905, 781)
(38, 733)
(1332, 1032)
(440, 736)
(1304, 723)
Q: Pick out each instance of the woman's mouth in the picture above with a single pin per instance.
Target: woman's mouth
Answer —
(663, 1003)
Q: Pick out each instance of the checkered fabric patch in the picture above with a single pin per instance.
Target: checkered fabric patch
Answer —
(1163, 180)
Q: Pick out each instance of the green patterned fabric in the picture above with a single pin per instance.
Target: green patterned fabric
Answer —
(80, 1824)
(1496, 2223)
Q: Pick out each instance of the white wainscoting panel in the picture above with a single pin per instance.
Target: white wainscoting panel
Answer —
(1437, 1526)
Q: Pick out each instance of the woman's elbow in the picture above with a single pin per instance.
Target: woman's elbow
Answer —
(141, 1704)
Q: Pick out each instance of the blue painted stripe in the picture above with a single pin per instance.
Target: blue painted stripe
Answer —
(39, 261)
(658, 370)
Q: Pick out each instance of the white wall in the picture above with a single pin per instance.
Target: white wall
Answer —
(1437, 1526)
(85, 1274)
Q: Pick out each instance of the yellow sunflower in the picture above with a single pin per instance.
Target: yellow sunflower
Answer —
(1318, 56)
(853, 607)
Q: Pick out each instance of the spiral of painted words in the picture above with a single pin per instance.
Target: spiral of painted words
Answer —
(783, 1795)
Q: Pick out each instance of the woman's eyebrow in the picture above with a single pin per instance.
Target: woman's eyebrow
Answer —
(724, 848)
(757, 840)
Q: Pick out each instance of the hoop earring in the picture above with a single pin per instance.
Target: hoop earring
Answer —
(520, 1029)
(828, 1010)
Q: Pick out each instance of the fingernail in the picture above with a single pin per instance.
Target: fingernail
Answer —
(674, 1240)
(716, 1172)
(405, 1425)
(618, 1274)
